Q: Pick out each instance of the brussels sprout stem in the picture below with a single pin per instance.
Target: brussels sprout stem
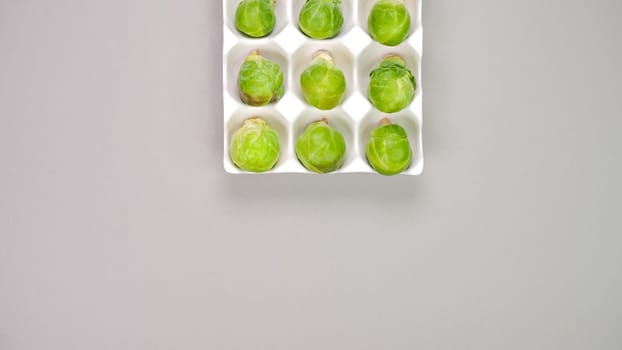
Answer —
(395, 58)
(254, 120)
(324, 121)
(385, 121)
(323, 54)
(253, 56)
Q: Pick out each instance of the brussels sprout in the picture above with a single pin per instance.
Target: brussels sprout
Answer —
(321, 148)
(255, 147)
(260, 81)
(389, 22)
(392, 86)
(255, 18)
(321, 19)
(388, 150)
(323, 83)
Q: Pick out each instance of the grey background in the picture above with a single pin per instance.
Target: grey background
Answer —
(120, 230)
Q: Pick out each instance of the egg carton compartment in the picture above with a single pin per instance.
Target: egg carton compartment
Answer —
(347, 8)
(414, 8)
(281, 10)
(276, 120)
(304, 55)
(406, 119)
(373, 54)
(337, 119)
(353, 51)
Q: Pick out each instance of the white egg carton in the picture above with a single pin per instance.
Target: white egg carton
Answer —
(353, 51)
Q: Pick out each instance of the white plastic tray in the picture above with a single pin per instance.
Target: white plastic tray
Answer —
(354, 52)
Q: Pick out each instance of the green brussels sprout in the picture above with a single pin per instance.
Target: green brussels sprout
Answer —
(389, 22)
(388, 150)
(321, 148)
(321, 19)
(255, 147)
(260, 81)
(392, 85)
(255, 18)
(323, 83)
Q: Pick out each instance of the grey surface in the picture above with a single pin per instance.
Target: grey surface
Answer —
(120, 230)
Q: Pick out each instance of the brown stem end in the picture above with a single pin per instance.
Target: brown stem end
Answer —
(323, 54)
